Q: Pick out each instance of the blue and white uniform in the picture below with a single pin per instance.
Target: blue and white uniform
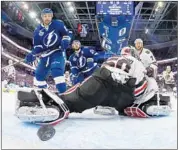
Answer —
(83, 63)
(51, 42)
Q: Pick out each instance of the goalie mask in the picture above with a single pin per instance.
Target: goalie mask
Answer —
(76, 45)
(127, 51)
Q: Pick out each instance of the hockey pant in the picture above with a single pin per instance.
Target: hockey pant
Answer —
(98, 89)
(54, 64)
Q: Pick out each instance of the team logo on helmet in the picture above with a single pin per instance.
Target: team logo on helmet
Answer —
(50, 39)
(46, 11)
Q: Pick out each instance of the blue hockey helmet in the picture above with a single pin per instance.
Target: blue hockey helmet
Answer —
(76, 45)
(46, 11)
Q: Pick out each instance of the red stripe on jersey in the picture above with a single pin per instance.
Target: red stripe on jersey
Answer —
(113, 58)
(140, 89)
(85, 80)
(72, 89)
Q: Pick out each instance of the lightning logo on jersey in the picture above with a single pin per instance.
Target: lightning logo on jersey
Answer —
(82, 62)
(50, 39)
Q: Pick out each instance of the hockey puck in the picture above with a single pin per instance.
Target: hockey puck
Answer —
(46, 132)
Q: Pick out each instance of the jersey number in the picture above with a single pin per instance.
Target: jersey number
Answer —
(152, 58)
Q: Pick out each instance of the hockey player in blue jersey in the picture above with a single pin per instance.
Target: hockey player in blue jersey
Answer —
(83, 62)
(51, 39)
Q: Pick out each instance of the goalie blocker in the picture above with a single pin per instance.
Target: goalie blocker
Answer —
(45, 107)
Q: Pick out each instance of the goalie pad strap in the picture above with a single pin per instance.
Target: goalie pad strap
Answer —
(135, 112)
(57, 99)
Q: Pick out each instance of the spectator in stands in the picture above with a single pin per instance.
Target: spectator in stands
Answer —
(2, 49)
(168, 76)
(67, 79)
(10, 72)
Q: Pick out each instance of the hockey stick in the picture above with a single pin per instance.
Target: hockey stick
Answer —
(62, 106)
(20, 61)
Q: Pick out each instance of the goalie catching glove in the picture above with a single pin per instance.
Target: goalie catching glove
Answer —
(41, 107)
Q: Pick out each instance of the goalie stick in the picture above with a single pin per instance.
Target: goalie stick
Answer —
(47, 131)
(58, 101)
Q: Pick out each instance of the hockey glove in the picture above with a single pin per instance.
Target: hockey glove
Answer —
(77, 78)
(150, 71)
(30, 58)
(90, 63)
(120, 78)
(65, 42)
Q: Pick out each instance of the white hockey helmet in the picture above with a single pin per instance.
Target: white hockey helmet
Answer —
(138, 40)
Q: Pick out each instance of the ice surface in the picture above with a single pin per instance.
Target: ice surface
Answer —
(88, 130)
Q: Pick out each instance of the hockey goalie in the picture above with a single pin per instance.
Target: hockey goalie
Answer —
(121, 83)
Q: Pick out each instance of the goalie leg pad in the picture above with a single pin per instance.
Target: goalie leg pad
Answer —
(42, 107)
(149, 109)
(104, 110)
(162, 110)
(37, 114)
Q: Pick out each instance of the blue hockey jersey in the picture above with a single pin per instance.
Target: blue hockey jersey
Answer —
(49, 38)
(84, 62)
(78, 60)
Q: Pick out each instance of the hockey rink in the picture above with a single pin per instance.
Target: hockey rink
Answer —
(91, 131)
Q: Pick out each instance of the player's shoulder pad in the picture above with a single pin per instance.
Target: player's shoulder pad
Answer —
(85, 47)
(89, 50)
(133, 59)
(37, 29)
(71, 57)
(147, 51)
(58, 22)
